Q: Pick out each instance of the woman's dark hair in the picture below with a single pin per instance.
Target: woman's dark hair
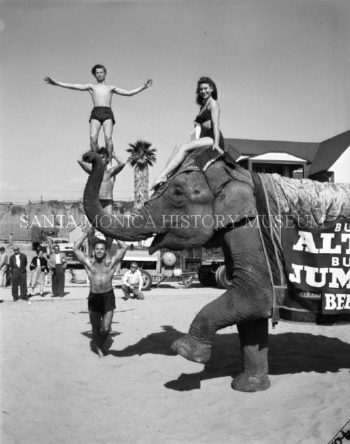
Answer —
(93, 70)
(211, 83)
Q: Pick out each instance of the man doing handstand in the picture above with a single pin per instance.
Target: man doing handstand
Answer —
(101, 300)
(102, 114)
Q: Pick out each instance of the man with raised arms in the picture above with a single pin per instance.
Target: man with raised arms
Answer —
(102, 114)
(101, 300)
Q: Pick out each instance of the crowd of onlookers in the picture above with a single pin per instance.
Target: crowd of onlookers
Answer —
(43, 268)
(50, 267)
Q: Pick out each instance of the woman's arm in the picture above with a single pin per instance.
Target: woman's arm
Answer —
(215, 117)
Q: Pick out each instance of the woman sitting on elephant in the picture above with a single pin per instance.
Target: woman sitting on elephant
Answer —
(207, 128)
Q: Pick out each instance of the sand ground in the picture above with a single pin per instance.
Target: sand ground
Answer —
(55, 390)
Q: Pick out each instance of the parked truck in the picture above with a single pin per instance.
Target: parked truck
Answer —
(39, 236)
(212, 271)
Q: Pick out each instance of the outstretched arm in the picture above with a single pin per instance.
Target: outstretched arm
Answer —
(75, 86)
(122, 247)
(79, 254)
(132, 92)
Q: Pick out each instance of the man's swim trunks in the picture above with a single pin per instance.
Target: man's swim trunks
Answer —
(102, 113)
(105, 202)
(101, 302)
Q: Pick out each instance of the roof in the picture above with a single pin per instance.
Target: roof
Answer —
(320, 156)
(282, 157)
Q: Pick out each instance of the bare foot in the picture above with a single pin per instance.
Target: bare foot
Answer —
(100, 353)
(96, 349)
(158, 181)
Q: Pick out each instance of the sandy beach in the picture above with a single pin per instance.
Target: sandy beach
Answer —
(55, 390)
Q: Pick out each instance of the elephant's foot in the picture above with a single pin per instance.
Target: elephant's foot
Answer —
(254, 341)
(251, 383)
(192, 349)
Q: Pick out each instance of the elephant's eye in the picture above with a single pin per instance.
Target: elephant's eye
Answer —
(178, 197)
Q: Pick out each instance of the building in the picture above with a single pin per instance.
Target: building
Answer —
(291, 159)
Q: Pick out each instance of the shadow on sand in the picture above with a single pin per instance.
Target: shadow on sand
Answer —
(288, 353)
(88, 334)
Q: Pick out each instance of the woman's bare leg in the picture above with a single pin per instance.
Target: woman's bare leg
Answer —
(178, 155)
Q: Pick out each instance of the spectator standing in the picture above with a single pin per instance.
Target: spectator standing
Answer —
(3, 267)
(39, 268)
(58, 265)
(17, 265)
(132, 282)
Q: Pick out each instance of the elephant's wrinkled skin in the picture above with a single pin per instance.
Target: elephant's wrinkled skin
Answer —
(169, 214)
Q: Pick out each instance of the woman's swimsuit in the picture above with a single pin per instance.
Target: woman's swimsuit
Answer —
(208, 132)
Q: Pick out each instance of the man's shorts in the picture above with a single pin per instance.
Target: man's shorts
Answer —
(102, 113)
(101, 302)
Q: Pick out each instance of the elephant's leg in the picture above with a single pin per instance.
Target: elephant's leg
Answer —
(228, 309)
(248, 299)
(254, 346)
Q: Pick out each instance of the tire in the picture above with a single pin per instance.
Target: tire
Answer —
(206, 277)
(222, 280)
(146, 281)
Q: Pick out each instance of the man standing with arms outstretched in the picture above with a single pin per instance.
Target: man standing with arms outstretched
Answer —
(101, 301)
(102, 114)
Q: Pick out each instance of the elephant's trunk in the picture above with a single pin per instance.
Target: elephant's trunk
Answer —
(126, 228)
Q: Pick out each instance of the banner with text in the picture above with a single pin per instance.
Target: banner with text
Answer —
(318, 261)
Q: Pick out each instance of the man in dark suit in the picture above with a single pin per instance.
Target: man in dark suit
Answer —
(17, 265)
(58, 265)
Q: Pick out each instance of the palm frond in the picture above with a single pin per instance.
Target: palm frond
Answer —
(141, 154)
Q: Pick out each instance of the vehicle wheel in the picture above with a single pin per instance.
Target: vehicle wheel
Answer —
(206, 277)
(146, 280)
(222, 280)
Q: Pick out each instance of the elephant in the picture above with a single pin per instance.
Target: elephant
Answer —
(212, 201)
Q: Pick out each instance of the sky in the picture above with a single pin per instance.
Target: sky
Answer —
(282, 68)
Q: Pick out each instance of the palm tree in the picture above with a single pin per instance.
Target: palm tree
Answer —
(142, 156)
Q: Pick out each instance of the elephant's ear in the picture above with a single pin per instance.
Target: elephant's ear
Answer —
(236, 201)
(233, 189)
